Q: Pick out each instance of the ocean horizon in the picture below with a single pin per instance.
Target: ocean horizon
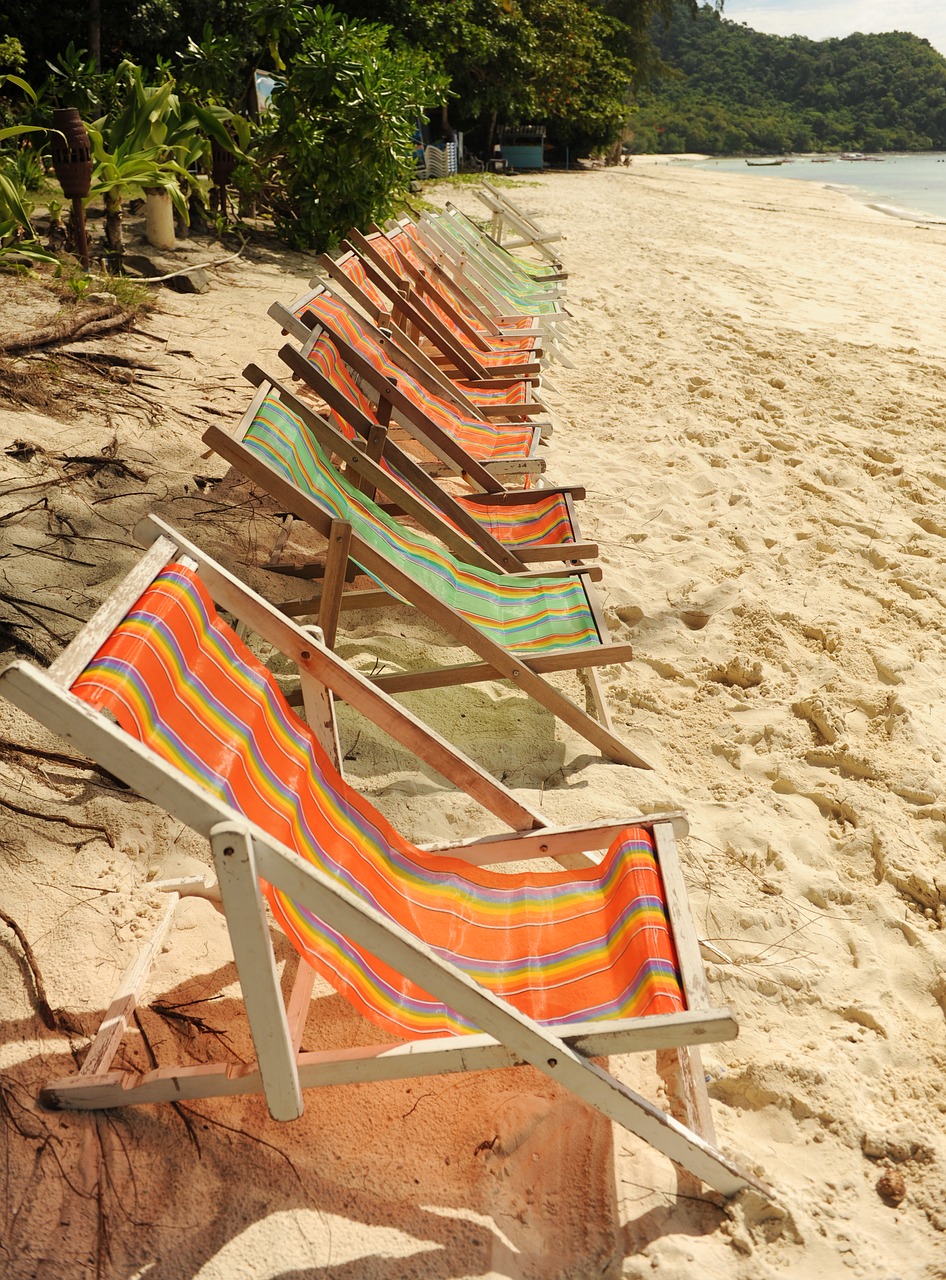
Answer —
(902, 186)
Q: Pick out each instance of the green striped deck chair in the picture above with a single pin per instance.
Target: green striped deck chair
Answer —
(508, 219)
(462, 964)
(488, 284)
(473, 446)
(510, 283)
(512, 529)
(520, 627)
(541, 272)
(414, 258)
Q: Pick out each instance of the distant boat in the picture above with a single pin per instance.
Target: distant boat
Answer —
(759, 164)
(859, 155)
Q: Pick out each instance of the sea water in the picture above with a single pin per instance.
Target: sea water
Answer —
(904, 186)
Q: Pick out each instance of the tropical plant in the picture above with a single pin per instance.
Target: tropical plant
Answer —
(213, 68)
(12, 55)
(17, 238)
(126, 171)
(75, 80)
(152, 145)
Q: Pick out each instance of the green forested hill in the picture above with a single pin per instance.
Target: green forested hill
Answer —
(737, 90)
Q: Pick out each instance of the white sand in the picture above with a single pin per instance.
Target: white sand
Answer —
(756, 411)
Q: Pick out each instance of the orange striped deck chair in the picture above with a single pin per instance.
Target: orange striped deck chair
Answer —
(440, 363)
(408, 300)
(399, 249)
(463, 965)
(519, 627)
(461, 275)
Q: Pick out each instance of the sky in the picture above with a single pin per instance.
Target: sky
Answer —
(819, 21)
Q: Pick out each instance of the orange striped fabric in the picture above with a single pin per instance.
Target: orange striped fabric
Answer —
(561, 946)
(485, 441)
(502, 351)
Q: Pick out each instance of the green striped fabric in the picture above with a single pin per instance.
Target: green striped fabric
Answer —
(539, 616)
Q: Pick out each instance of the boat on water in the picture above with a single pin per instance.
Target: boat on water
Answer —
(859, 155)
(763, 164)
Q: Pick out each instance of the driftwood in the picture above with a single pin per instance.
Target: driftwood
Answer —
(84, 324)
(43, 1007)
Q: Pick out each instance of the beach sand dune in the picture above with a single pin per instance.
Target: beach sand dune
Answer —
(756, 410)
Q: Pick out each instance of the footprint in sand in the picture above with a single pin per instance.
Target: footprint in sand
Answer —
(739, 672)
(819, 715)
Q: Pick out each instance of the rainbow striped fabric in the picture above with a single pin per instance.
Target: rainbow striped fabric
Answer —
(531, 617)
(542, 520)
(491, 351)
(562, 947)
(403, 244)
(525, 296)
(482, 440)
(530, 270)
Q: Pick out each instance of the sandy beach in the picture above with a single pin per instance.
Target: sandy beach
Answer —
(757, 412)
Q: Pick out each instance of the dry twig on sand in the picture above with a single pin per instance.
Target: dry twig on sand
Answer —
(82, 324)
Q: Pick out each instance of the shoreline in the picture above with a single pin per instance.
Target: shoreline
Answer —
(756, 412)
(886, 199)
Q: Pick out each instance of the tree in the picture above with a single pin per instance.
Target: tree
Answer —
(346, 108)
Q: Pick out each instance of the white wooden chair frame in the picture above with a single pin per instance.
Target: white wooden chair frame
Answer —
(468, 239)
(244, 853)
(505, 215)
(445, 255)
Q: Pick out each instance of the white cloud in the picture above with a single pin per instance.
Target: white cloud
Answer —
(926, 18)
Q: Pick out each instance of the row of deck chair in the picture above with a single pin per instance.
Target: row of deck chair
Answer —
(459, 966)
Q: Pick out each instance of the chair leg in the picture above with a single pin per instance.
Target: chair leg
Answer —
(592, 679)
(336, 565)
(118, 1015)
(235, 861)
(681, 1070)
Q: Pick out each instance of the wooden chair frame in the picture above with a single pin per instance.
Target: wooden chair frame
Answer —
(505, 215)
(244, 853)
(345, 547)
(411, 297)
(433, 276)
(459, 236)
(410, 311)
(460, 266)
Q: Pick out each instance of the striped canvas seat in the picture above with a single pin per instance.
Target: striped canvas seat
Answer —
(544, 519)
(463, 231)
(559, 946)
(403, 238)
(483, 440)
(526, 297)
(496, 351)
(528, 618)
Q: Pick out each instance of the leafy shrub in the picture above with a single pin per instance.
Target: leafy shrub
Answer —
(346, 109)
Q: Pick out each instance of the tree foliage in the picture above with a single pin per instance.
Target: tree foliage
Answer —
(739, 90)
(346, 106)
